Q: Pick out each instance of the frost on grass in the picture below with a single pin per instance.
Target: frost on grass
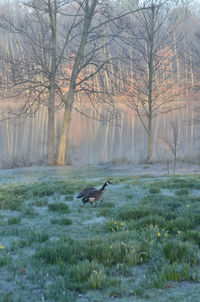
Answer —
(142, 240)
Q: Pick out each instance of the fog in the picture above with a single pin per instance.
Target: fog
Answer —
(117, 85)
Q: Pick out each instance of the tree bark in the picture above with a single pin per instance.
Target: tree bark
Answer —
(62, 148)
(51, 130)
(64, 134)
(61, 157)
(150, 82)
(149, 134)
(51, 113)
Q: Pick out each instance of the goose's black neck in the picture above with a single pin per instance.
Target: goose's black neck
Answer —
(103, 187)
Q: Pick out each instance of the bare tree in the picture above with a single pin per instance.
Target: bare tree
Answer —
(149, 88)
(88, 14)
(98, 29)
(34, 71)
(195, 67)
(173, 142)
(60, 56)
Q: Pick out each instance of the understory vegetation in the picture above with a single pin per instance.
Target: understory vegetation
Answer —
(141, 241)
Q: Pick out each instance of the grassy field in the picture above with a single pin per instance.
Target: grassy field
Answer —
(141, 244)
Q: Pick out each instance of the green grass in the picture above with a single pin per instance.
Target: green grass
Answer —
(181, 252)
(59, 207)
(14, 220)
(143, 237)
(61, 221)
(183, 191)
(175, 272)
(154, 190)
(4, 259)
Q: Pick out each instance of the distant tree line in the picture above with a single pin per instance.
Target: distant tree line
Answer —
(58, 52)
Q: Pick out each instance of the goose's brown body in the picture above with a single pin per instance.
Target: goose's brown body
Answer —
(85, 191)
(92, 195)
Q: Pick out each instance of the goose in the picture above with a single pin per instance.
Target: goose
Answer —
(85, 191)
(95, 195)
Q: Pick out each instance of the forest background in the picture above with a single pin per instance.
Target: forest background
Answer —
(89, 82)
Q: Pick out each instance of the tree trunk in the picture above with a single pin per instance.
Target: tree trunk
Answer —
(177, 63)
(149, 134)
(89, 13)
(51, 113)
(62, 148)
(51, 129)
(150, 83)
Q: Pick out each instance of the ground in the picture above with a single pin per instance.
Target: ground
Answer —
(140, 244)
(155, 169)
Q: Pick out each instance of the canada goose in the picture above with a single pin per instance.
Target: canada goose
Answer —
(95, 195)
(85, 191)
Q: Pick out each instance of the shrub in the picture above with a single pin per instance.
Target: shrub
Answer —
(10, 201)
(114, 282)
(183, 191)
(22, 243)
(113, 250)
(129, 196)
(117, 252)
(107, 205)
(191, 235)
(180, 224)
(86, 274)
(61, 221)
(177, 251)
(83, 269)
(65, 221)
(69, 197)
(134, 258)
(149, 232)
(41, 189)
(179, 272)
(180, 182)
(114, 226)
(29, 211)
(163, 203)
(42, 202)
(97, 279)
(105, 212)
(59, 207)
(4, 258)
(58, 291)
(153, 220)
(31, 236)
(120, 269)
(175, 272)
(2, 220)
(154, 190)
(116, 292)
(135, 213)
(7, 297)
(97, 250)
(36, 236)
(129, 253)
(66, 250)
(14, 220)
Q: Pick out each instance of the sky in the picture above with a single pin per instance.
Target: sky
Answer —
(197, 2)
